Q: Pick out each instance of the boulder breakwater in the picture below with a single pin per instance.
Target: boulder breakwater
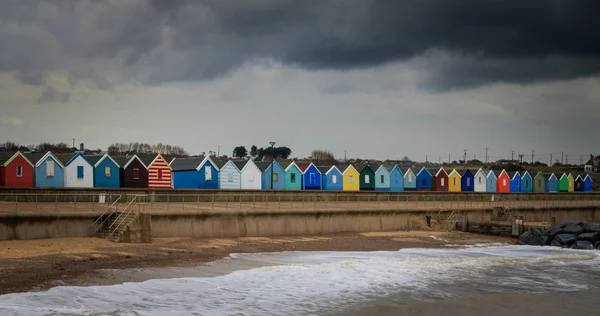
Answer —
(572, 234)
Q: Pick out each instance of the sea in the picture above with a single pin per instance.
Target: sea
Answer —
(490, 279)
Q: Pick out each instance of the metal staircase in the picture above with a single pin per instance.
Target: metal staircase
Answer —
(114, 220)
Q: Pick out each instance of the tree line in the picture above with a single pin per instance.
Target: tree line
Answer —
(144, 148)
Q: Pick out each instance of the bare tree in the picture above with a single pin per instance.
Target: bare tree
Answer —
(320, 156)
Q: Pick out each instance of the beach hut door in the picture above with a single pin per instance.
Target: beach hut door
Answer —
(312, 178)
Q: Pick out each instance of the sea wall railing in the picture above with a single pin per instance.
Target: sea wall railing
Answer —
(97, 203)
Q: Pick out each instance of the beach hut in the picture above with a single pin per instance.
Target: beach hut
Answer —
(526, 183)
(480, 181)
(107, 172)
(467, 180)
(311, 177)
(539, 183)
(424, 180)
(251, 176)
(454, 181)
(78, 171)
(48, 170)
(230, 177)
(332, 178)
(195, 173)
(396, 179)
(503, 182)
(382, 178)
(440, 180)
(571, 183)
(563, 183)
(491, 182)
(16, 170)
(515, 182)
(133, 172)
(367, 178)
(273, 173)
(351, 179)
(159, 171)
(551, 184)
(588, 183)
(293, 175)
(410, 179)
(578, 184)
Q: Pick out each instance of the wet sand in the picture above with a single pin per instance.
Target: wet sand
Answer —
(34, 265)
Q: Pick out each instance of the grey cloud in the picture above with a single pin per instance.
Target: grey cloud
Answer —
(165, 41)
(51, 95)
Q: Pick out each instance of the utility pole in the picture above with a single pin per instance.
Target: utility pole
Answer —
(512, 155)
(426, 161)
(218, 150)
(345, 158)
(521, 157)
(567, 159)
(486, 155)
(465, 161)
(581, 160)
(272, 163)
(562, 157)
(73, 142)
(449, 160)
(551, 163)
(532, 151)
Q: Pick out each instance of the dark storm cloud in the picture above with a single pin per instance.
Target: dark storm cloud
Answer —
(164, 41)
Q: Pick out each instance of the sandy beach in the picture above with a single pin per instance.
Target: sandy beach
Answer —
(33, 265)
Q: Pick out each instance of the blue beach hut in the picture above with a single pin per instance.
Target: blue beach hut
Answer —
(424, 180)
(526, 183)
(332, 178)
(48, 170)
(410, 179)
(195, 173)
(278, 175)
(396, 179)
(382, 178)
(551, 184)
(491, 180)
(515, 182)
(588, 184)
(467, 181)
(311, 178)
(107, 172)
(230, 177)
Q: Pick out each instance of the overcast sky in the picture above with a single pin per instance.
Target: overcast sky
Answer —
(380, 79)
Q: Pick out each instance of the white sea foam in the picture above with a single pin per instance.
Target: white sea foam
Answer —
(308, 283)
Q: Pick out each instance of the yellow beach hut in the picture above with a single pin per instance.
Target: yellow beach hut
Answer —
(571, 183)
(454, 181)
(350, 179)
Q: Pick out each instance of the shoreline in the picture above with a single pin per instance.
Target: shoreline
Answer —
(37, 265)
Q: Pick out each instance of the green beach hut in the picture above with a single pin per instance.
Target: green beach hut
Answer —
(563, 183)
(293, 176)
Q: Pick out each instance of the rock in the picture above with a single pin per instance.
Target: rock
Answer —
(597, 245)
(574, 229)
(593, 228)
(536, 232)
(547, 240)
(591, 237)
(582, 244)
(528, 238)
(577, 223)
(556, 229)
(545, 231)
(565, 239)
(555, 243)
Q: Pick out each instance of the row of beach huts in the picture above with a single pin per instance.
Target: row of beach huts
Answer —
(48, 170)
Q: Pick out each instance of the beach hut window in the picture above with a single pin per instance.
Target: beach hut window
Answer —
(49, 169)
(442, 181)
(480, 180)
(367, 179)
(230, 177)
(526, 183)
(311, 178)
(424, 181)
(136, 173)
(410, 178)
(504, 182)
(382, 181)
(293, 178)
(468, 181)
(334, 179)
(351, 179)
(107, 171)
(160, 174)
(517, 183)
(454, 181)
(207, 173)
(19, 171)
(275, 177)
(79, 172)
